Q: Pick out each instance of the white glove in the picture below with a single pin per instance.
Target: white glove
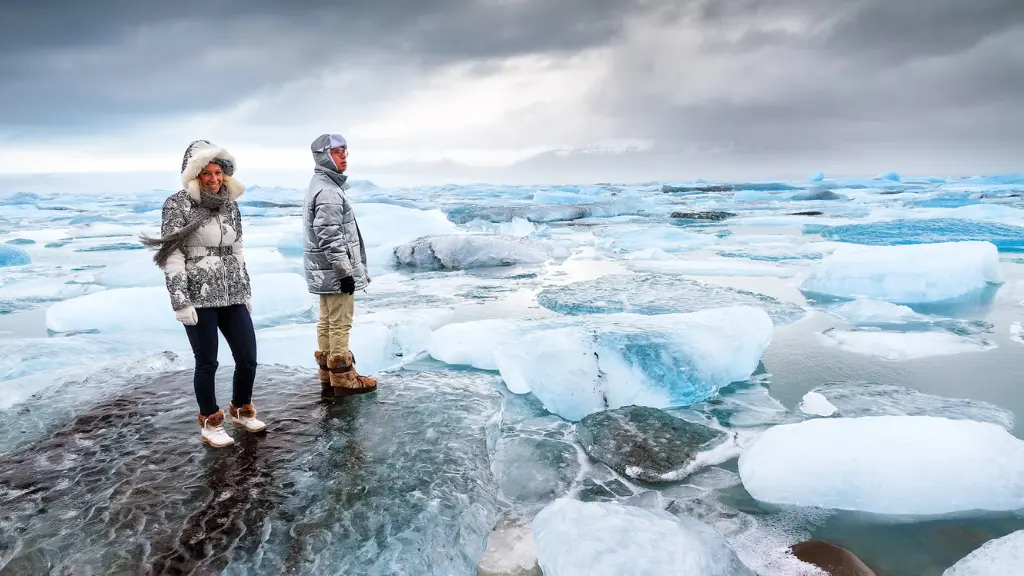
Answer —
(248, 305)
(187, 316)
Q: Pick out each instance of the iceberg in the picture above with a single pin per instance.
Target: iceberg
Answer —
(576, 538)
(893, 176)
(1006, 237)
(467, 251)
(12, 255)
(912, 274)
(579, 367)
(277, 298)
(894, 465)
(999, 557)
(652, 294)
(817, 176)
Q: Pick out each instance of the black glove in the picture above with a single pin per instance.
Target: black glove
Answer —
(348, 285)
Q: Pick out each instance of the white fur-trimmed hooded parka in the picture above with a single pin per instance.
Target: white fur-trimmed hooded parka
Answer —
(210, 271)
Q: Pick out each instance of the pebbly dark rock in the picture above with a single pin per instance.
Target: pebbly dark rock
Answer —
(808, 213)
(832, 559)
(645, 443)
(714, 216)
(354, 485)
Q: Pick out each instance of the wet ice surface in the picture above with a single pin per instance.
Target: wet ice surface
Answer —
(508, 323)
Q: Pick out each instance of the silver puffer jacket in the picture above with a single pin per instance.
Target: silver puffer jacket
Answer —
(333, 246)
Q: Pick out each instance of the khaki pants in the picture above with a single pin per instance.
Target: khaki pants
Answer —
(336, 312)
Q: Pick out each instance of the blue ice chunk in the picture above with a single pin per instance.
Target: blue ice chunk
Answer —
(13, 256)
(817, 176)
(653, 294)
(1006, 237)
(20, 199)
(889, 176)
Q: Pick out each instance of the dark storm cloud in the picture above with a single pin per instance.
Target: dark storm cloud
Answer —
(854, 77)
(91, 63)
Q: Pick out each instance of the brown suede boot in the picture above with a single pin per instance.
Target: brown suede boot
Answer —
(324, 374)
(364, 381)
(344, 378)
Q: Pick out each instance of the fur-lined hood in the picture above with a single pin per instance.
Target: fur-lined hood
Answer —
(197, 156)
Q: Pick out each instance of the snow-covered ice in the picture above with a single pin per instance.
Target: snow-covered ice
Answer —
(911, 274)
(998, 557)
(911, 345)
(814, 404)
(896, 465)
(574, 538)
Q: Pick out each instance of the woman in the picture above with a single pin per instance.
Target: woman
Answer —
(201, 256)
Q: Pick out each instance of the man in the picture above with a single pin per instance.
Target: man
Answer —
(334, 259)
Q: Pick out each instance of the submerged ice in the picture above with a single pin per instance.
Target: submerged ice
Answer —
(603, 539)
(652, 294)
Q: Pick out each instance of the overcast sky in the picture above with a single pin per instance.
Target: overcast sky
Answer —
(663, 89)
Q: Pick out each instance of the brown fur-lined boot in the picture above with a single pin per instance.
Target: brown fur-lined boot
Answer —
(344, 378)
(211, 430)
(364, 381)
(324, 373)
(245, 417)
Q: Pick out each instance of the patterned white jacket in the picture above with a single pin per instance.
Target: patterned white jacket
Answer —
(210, 272)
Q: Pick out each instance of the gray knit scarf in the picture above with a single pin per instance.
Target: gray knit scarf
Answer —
(209, 205)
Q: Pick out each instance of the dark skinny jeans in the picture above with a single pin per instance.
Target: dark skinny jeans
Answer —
(236, 325)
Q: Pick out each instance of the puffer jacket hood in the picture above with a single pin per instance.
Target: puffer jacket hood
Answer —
(200, 153)
(321, 148)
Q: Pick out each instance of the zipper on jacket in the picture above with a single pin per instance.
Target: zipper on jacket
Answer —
(223, 266)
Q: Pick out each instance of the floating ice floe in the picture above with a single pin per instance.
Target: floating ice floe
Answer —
(578, 366)
(467, 251)
(895, 465)
(814, 404)
(276, 298)
(1005, 237)
(855, 399)
(999, 557)
(913, 274)
(603, 539)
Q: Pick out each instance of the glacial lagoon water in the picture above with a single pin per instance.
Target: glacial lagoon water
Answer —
(512, 327)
